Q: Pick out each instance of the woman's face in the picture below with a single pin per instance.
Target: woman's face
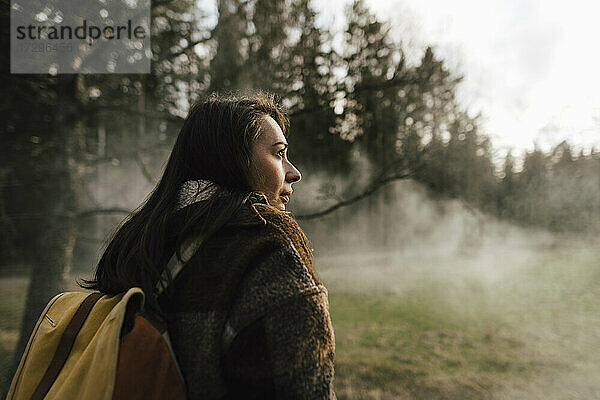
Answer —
(270, 171)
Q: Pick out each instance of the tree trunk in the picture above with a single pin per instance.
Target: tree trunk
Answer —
(51, 250)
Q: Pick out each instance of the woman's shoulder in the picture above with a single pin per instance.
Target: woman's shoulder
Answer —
(283, 275)
(283, 228)
(262, 255)
(259, 240)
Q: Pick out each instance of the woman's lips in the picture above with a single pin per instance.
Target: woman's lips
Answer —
(285, 198)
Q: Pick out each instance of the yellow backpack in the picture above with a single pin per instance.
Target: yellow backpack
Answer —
(76, 352)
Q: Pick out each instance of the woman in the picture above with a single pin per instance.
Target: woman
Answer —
(247, 315)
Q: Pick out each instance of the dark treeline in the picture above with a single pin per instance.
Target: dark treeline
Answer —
(352, 98)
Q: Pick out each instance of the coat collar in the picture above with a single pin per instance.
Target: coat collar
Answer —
(195, 191)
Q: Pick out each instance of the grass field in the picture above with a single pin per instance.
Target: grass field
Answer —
(12, 303)
(502, 323)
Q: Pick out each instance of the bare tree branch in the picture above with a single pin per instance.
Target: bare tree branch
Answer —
(372, 188)
(98, 211)
(91, 240)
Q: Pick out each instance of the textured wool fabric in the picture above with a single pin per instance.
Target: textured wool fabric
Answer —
(249, 317)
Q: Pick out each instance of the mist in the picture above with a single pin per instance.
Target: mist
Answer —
(526, 288)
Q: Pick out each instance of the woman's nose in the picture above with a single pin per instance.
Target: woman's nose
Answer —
(292, 175)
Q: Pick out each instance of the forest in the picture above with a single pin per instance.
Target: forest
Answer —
(81, 151)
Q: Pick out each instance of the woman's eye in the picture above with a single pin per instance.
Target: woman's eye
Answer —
(281, 153)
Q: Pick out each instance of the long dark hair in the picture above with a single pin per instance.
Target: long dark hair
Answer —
(214, 144)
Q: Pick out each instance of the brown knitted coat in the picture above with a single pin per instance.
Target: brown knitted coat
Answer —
(250, 319)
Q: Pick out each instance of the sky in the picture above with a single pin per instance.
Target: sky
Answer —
(531, 67)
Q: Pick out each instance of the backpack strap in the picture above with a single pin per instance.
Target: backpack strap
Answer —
(65, 345)
(175, 265)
